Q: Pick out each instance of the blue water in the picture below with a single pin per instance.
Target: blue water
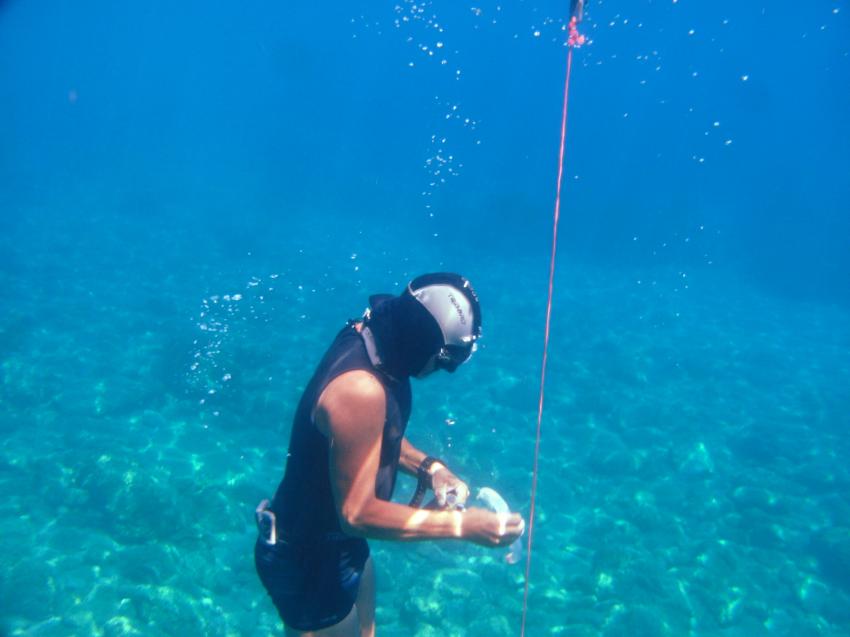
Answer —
(194, 197)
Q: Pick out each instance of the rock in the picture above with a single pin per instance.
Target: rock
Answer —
(456, 583)
(120, 627)
(814, 596)
(698, 462)
(26, 591)
(634, 622)
(53, 627)
(492, 626)
(831, 549)
(427, 630)
(755, 498)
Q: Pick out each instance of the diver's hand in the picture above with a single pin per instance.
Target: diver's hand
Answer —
(486, 528)
(445, 483)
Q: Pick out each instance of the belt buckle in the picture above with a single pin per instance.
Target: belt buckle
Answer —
(266, 523)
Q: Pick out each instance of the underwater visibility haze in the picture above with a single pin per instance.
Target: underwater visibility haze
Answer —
(195, 196)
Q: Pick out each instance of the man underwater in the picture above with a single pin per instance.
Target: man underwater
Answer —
(346, 447)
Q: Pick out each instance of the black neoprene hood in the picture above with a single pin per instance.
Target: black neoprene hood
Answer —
(414, 326)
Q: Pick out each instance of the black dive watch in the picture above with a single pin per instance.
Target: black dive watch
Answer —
(424, 477)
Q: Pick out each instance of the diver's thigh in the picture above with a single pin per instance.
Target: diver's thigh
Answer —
(365, 603)
(348, 627)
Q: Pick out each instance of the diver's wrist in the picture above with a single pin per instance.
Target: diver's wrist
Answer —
(428, 467)
(425, 479)
(437, 466)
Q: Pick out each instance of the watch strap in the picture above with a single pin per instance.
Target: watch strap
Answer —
(424, 480)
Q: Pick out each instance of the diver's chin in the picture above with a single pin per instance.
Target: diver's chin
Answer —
(428, 370)
(425, 373)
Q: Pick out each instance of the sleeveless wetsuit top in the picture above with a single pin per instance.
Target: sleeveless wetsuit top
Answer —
(304, 502)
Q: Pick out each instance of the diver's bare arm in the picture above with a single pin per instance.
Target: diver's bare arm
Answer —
(351, 412)
(411, 458)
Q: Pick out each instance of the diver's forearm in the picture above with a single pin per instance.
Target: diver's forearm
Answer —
(390, 521)
(411, 458)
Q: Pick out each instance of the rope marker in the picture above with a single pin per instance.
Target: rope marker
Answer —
(574, 40)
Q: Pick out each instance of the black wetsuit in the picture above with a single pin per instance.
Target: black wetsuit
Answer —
(313, 571)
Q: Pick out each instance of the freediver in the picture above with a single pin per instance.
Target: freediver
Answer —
(346, 446)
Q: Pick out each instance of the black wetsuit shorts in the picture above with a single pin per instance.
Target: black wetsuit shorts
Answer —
(313, 584)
